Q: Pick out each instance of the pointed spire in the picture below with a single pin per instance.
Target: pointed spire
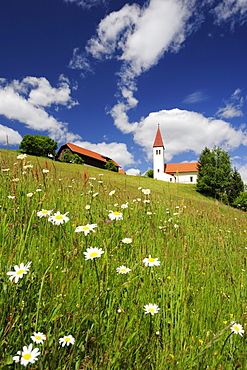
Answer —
(158, 139)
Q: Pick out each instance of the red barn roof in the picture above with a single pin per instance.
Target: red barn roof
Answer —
(89, 153)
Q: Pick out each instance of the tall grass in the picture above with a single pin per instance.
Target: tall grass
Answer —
(200, 285)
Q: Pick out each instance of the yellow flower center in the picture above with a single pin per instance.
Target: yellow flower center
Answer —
(27, 356)
(123, 270)
(67, 339)
(94, 254)
(151, 259)
(44, 212)
(116, 213)
(59, 217)
(151, 309)
(20, 272)
(85, 228)
(236, 328)
(38, 337)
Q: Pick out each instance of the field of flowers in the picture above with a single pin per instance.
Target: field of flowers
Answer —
(105, 271)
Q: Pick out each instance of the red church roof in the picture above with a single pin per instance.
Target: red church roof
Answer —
(173, 168)
(158, 139)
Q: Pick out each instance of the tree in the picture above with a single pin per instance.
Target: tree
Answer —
(235, 187)
(241, 201)
(110, 166)
(69, 157)
(214, 172)
(38, 145)
(150, 173)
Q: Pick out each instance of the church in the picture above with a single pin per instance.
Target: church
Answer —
(185, 173)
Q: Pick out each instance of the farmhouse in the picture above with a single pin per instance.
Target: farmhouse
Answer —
(89, 157)
(173, 172)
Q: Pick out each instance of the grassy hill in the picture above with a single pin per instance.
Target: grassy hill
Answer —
(160, 291)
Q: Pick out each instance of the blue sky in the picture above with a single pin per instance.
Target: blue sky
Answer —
(103, 73)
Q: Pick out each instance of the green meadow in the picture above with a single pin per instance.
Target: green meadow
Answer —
(196, 280)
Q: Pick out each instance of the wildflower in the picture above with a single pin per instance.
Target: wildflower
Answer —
(38, 190)
(95, 194)
(237, 328)
(150, 261)
(19, 271)
(112, 192)
(5, 169)
(38, 337)
(58, 218)
(11, 196)
(28, 355)
(146, 191)
(123, 270)
(87, 206)
(92, 253)
(115, 215)
(127, 240)
(43, 213)
(123, 206)
(86, 229)
(146, 201)
(45, 170)
(151, 308)
(67, 340)
(21, 156)
(92, 178)
(29, 195)
(28, 166)
(200, 341)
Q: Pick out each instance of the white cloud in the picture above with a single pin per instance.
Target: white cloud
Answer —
(195, 97)
(116, 151)
(88, 3)
(233, 106)
(9, 136)
(184, 131)
(80, 61)
(133, 172)
(231, 11)
(26, 100)
(139, 37)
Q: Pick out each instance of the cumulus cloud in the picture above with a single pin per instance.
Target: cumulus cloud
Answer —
(138, 37)
(116, 151)
(133, 172)
(26, 100)
(231, 11)
(242, 169)
(184, 131)
(81, 62)
(195, 97)
(8, 136)
(233, 106)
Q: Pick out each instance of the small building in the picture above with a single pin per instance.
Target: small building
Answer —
(173, 172)
(89, 157)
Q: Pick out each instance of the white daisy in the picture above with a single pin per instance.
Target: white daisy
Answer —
(86, 229)
(112, 192)
(123, 270)
(21, 156)
(115, 215)
(151, 308)
(11, 196)
(28, 166)
(19, 271)
(66, 340)
(58, 218)
(27, 355)
(43, 213)
(146, 191)
(16, 179)
(237, 328)
(92, 253)
(124, 206)
(5, 169)
(29, 195)
(45, 170)
(127, 240)
(38, 337)
(87, 206)
(150, 261)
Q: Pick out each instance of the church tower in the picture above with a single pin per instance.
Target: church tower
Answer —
(158, 156)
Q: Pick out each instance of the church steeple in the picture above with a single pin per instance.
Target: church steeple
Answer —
(158, 142)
